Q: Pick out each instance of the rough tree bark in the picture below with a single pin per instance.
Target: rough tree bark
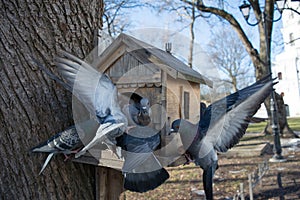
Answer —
(33, 107)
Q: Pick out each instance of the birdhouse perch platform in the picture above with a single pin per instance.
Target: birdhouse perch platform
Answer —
(103, 158)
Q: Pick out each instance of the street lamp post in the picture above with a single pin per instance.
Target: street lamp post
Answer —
(245, 9)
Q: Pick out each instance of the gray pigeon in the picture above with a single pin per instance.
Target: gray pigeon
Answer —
(142, 169)
(221, 126)
(65, 142)
(98, 94)
(138, 113)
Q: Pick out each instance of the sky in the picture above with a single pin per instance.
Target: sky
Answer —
(157, 29)
(145, 18)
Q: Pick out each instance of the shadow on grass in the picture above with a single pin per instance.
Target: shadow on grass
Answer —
(216, 180)
(259, 136)
(279, 192)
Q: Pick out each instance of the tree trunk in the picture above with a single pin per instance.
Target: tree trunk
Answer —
(262, 69)
(284, 128)
(262, 59)
(192, 40)
(33, 107)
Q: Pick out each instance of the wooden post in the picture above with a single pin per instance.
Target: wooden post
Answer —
(250, 186)
(260, 173)
(242, 191)
(109, 183)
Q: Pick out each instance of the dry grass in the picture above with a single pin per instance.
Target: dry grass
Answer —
(232, 171)
(227, 179)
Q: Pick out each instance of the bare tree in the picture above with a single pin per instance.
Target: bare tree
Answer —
(116, 17)
(186, 14)
(33, 107)
(261, 58)
(230, 57)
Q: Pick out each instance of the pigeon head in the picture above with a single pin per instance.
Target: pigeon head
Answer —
(145, 105)
(187, 131)
(144, 112)
(202, 109)
(175, 126)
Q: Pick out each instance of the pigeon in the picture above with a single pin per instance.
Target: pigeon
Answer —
(221, 126)
(98, 94)
(142, 169)
(138, 113)
(65, 142)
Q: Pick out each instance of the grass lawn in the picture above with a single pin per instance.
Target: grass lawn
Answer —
(259, 127)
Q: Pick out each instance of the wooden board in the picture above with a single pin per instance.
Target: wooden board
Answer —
(108, 176)
(105, 158)
(109, 183)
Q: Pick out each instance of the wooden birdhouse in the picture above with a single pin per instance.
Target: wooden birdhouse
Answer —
(139, 70)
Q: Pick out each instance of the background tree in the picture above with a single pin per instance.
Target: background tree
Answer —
(261, 59)
(187, 14)
(33, 107)
(116, 17)
(231, 60)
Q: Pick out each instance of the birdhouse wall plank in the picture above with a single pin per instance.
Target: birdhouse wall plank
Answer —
(104, 62)
(128, 70)
(175, 99)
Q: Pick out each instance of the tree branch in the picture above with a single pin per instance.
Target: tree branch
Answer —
(233, 22)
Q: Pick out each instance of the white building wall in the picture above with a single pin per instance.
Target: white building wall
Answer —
(288, 62)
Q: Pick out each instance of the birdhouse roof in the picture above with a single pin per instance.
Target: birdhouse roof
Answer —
(147, 53)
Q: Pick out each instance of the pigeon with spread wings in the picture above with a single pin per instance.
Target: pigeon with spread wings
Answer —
(142, 170)
(221, 126)
(98, 94)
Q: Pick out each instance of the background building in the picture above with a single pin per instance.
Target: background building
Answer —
(287, 64)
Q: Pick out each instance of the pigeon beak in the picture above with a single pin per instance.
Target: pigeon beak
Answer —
(171, 131)
(144, 110)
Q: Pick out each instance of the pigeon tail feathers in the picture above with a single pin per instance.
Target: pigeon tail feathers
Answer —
(46, 162)
(143, 182)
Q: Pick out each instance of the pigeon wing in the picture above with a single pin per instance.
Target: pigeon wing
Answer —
(228, 130)
(94, 89)
(139, 146)
(218, 109)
